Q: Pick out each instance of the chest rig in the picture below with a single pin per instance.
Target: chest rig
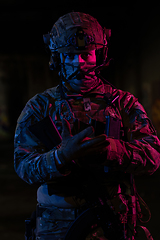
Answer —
(98, 111)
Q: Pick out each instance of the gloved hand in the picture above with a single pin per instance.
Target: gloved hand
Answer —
(79, 145)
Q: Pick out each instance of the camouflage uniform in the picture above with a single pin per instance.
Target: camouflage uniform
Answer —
(136, 152)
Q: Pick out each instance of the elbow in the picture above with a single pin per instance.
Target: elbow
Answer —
(21, 172)
(143, 165)
(154, 164)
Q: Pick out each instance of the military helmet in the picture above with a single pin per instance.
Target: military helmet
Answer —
(76, 32)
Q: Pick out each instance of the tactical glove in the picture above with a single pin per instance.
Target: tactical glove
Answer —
(79, 145)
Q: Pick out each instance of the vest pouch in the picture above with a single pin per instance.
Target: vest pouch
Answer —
(113, 127)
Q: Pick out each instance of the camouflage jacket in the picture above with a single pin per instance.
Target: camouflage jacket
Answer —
(136, 152)
(139, 153)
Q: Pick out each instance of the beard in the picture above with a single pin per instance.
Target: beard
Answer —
(80, 80)
(84, 83)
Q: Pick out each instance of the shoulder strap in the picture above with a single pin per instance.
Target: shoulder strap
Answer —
(147, 233)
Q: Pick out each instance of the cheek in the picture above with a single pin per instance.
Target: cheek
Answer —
(69, 69)
(92, 59)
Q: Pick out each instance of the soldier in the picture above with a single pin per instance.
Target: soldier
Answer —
(83, 141)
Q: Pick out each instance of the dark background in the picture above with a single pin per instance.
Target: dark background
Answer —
(135, 47)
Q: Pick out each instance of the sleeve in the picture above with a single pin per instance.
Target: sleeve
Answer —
(140, 152)
(31, 161)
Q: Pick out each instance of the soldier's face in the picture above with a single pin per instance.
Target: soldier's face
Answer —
(76, 67)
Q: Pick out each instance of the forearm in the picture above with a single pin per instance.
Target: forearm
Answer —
(137, 157)
(35, 167)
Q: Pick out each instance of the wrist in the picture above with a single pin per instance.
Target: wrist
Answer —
(58, 160)
(60, 164)
(62, 158)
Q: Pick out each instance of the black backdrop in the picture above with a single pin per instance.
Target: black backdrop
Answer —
(22, 25)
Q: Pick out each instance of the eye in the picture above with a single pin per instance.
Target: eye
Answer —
(85, 55)
(69, 55)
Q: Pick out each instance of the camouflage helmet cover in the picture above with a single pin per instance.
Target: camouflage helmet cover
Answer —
(75, 32)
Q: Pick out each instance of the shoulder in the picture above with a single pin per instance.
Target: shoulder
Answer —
(122, 95)
(127, 100)
(37, 106)
(47, 95)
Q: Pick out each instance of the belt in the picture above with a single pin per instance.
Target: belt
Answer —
(43, 210)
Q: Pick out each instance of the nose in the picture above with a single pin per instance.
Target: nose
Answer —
(79, 60)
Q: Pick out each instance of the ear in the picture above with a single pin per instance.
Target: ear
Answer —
(107, 33)
(55, 62)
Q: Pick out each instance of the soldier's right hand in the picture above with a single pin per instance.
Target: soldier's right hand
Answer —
(79, 145)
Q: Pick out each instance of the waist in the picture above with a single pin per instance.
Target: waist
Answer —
(48, 211)
(53, 222)
(57, 200)
(62, 191)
